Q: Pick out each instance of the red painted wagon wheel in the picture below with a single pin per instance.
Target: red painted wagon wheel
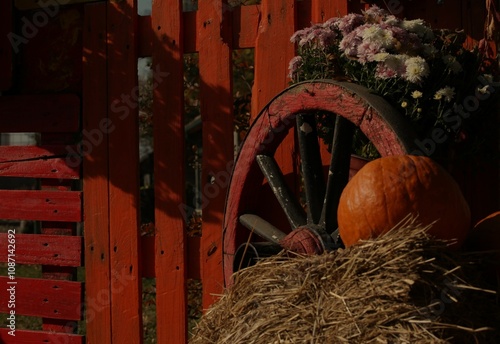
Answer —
(310, 230)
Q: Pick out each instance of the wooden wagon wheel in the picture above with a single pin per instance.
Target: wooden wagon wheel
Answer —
(353, 106)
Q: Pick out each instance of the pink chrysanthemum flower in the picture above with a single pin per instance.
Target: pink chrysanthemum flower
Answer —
(295, 63)
(348, 23)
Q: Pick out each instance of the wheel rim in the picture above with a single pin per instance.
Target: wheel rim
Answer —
(354, 106)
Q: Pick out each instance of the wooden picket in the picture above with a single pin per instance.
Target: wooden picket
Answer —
(95, 178)
(6, 28)
(115, 256)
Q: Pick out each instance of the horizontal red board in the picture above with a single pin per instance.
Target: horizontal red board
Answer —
(38, 337)
(36, 297)
(41, 205)
(58, 113)
(38, 162)
(42, 249)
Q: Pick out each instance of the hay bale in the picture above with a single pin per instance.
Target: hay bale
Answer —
(400, 288)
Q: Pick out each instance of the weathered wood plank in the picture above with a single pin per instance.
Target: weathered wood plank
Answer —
(95, 179)
(123, 162)
(215, 62)
(38, 162)
(41, 205)
(245, 26)
(245, 21)
(168, 106)
(42, 298)
(148, 257)
(276, 27)
(25, 5)
(6, 28)
(324, 10)
(45, 249)
(38, 337)
(39, 113)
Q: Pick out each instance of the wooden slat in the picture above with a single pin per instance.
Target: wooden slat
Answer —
(123, 162)
(39, 162)
(42, 298)
(95, 178)
(168, 106)
(41, 205)
(216, 113)
(245, 23)
(245, 26)
(38, 337)
(6, 29)
(276, 27)
(271, 77)
(25, 5)
(148, 257)
(39, 113)
(324, 10)
(45, 249)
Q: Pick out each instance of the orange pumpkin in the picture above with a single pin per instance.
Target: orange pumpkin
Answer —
(386, 190)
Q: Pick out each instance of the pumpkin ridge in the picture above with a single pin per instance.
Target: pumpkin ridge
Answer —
(389, 188)
(384, 193)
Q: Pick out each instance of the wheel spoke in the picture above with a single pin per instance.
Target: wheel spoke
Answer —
(293, 211)
(338, 174)
(262, 228)
(312, 168)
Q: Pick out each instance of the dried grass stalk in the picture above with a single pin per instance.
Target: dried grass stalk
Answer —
(400, 288)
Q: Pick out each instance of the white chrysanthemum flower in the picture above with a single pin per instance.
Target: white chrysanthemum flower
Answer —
(419, 27)
(396, 62)
(484, 90)
(380, 57)
(416, 69)
(452, 63)
(392, 20)
(375, 34)
(447, 93)
(416, 94)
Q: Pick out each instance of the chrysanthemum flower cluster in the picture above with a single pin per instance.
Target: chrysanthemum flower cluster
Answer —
(421, 71)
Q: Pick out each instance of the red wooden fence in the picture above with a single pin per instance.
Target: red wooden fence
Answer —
(116, 257)
(55, 297)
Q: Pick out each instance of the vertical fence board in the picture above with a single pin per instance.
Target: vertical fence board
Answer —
(216, 113)
(277, 25)
(123, 162)
(95, 179)
(168, 106)
(5, 45)
(324, 10)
